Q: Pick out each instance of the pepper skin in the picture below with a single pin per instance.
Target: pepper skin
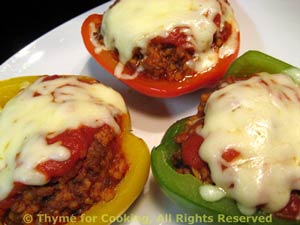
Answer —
(135, 151)
(183, 189)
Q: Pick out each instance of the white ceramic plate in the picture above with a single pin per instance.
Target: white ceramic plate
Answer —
(271, 26)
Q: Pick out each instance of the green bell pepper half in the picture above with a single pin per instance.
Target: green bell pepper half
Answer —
(255, 62)
(183, 189)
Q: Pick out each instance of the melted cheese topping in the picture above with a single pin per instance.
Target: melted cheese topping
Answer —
(61, 104)
(211, 193)
(259, 118)
(133, 23)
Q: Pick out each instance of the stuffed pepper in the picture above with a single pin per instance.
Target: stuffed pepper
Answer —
(164, 48)
(238, 158)
(66, 152)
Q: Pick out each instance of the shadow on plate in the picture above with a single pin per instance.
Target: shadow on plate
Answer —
(150, 106)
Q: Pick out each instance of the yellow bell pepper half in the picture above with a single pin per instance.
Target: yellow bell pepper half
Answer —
(135, 151)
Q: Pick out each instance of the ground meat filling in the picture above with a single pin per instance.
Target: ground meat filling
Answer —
(221, 37)
(93, 179)
(289, 212)
(163, 62)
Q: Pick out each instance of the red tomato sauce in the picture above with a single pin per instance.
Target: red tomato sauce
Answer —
(48, 78)
(77, 141)
(230, 154)
(177, 37)
(190, 151)
(81, 79)
(292, 210)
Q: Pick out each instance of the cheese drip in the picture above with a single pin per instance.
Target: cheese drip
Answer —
(259, 118)
(45, 109)
(133, 23)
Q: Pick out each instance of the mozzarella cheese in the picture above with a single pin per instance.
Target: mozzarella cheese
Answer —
(259, 118)
(211, 193)
(133, 23)
(26, 121)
